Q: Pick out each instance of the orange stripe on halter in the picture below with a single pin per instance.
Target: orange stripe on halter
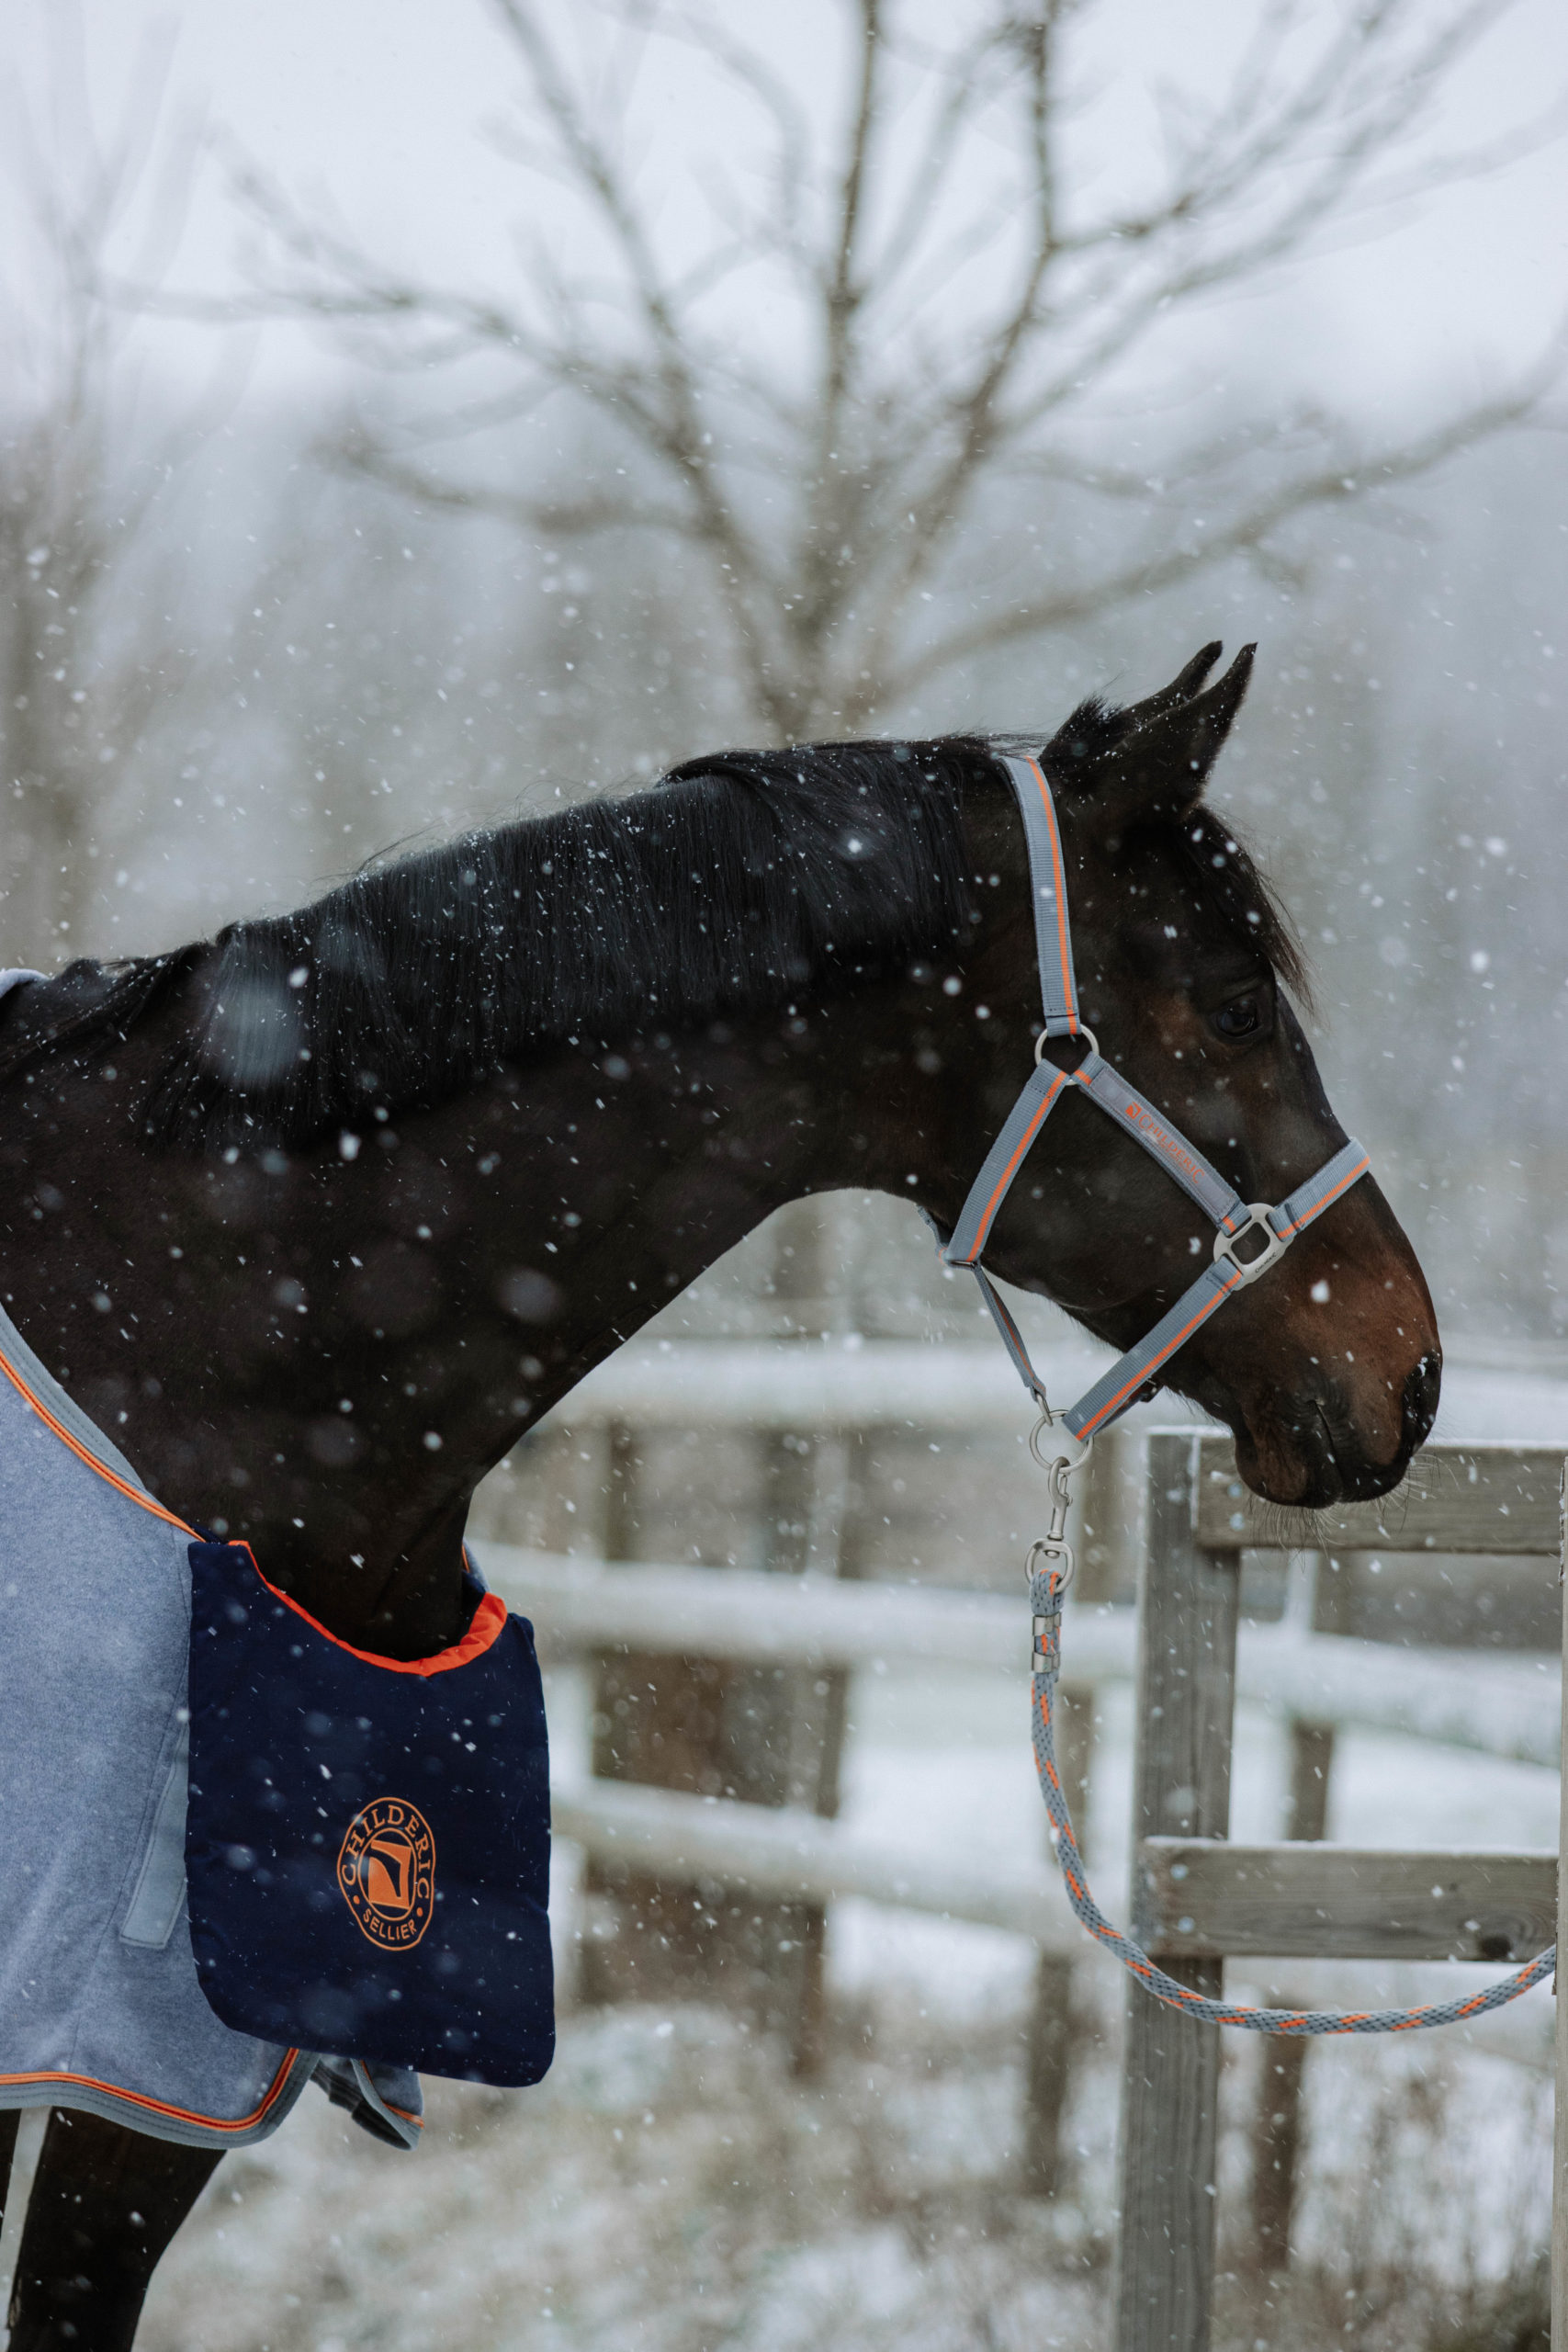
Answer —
(1112, 1404)
(1059, 875)
(1005, 1179)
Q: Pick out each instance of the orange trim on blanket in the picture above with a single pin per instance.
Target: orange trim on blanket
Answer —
(162, 2107)
(485, 1628)
(132, 1494)
(488, 1618)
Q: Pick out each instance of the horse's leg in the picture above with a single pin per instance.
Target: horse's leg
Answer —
(106, 2202)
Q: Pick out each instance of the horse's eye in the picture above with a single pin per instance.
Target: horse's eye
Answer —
(1241, 1019)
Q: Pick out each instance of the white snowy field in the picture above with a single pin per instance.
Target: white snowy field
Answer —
(670, 2186)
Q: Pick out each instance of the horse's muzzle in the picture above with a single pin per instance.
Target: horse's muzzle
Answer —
(1320, 1456)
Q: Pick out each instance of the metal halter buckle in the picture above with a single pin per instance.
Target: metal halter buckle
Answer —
(1248, 1269)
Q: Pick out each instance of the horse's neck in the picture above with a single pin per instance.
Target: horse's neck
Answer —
(328, 1353)
(633, 1174)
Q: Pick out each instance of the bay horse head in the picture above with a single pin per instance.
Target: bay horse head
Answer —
(1328, 1370)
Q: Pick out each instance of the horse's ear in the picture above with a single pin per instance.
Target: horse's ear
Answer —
(1152, 761)
(1181, 689)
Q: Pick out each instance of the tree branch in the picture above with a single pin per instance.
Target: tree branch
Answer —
(870, 463)
(355, 453)
(1338, 481)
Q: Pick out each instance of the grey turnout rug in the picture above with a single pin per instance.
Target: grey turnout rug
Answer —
(99, 2004)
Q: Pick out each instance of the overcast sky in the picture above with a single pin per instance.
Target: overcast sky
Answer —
(380, 105)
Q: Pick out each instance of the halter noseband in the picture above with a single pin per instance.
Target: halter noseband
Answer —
(1233, 1216)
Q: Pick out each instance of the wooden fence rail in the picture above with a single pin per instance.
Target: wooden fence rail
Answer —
(786, 1852)
(1493, 1707)
(1317, 1902)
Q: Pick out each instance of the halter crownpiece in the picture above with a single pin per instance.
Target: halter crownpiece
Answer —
(1234, 1219)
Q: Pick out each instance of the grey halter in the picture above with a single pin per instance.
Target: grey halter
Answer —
(1275, 1229)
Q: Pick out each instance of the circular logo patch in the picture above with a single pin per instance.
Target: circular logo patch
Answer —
(386, 1872)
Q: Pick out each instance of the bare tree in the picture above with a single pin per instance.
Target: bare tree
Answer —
(966, 307)
(87, 641)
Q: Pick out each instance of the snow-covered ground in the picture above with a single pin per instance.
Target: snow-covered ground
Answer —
(671, 2186)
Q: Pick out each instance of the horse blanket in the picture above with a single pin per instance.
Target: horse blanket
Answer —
(100, 2006)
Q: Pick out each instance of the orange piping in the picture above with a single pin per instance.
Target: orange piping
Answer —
(1006, 1179)
(162, 2107)
(484, 1629)
(1344, 1185)
(84, 1453)
(1163, 1357)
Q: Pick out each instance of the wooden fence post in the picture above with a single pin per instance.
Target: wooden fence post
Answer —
(764, 1735)
(783, 1727)
(655, 1720)
(1182, 1760)
(1276, 2133)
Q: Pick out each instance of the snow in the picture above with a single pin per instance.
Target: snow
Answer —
(670, 2186)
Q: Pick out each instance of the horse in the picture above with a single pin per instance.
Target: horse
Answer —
(318, 1217)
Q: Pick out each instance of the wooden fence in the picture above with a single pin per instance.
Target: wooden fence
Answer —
(1199, 1900)
(1195, 1900)
(779, 1459)
(1492, 1706)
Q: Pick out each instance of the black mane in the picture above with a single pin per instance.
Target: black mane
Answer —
(737, 883)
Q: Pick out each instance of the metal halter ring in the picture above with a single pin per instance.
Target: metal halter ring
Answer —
(1248, 1269)
(1071, 1463)
(1045, 1039)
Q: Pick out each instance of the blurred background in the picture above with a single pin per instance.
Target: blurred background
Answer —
(411, 418)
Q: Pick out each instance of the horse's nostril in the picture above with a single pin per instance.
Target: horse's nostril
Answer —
(1420, 1399)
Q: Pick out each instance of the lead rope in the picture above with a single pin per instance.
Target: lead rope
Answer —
(1049, 1571)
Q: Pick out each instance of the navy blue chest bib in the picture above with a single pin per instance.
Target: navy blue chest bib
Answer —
(367, 1843)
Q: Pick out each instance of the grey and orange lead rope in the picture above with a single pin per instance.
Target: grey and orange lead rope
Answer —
(1275, 1229)
(1045, 1594)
